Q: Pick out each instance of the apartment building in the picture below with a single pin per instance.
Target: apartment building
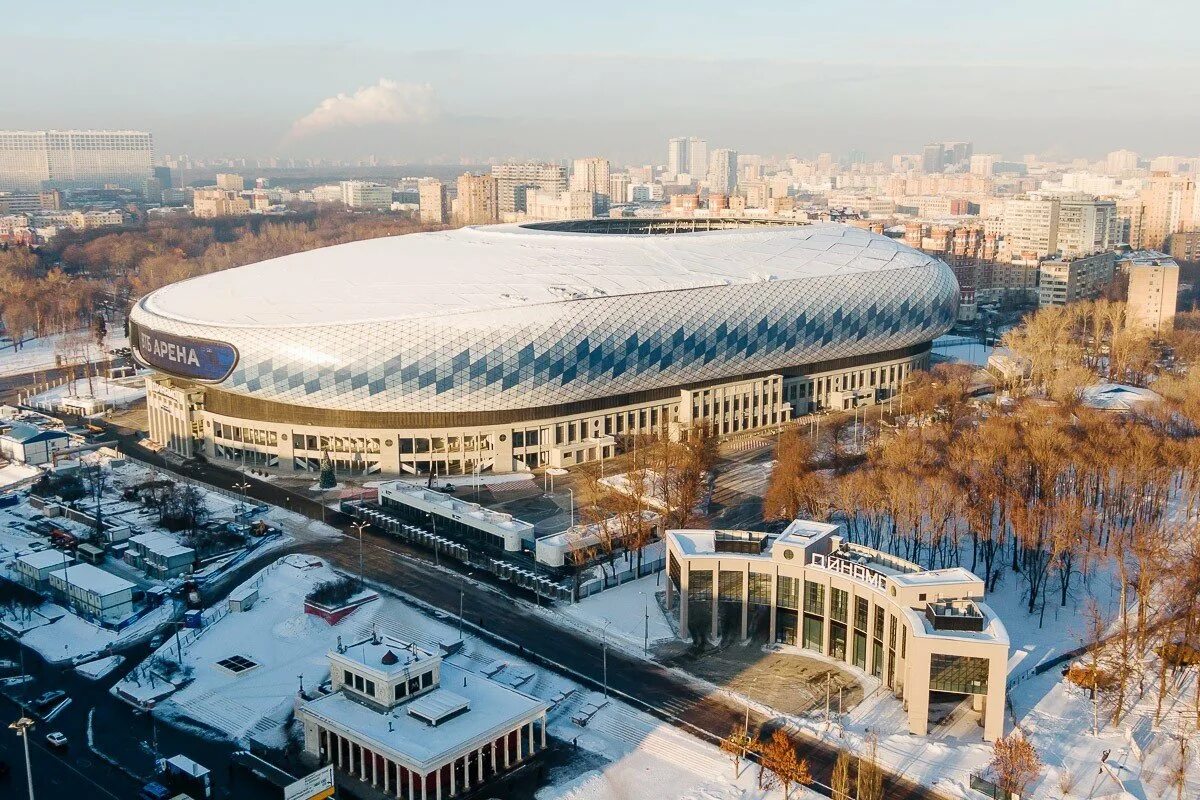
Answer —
(511, 177)
(1069, 280)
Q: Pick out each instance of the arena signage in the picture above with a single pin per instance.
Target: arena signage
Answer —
(185, 356)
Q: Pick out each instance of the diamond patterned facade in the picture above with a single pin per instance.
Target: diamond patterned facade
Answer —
(532, 318)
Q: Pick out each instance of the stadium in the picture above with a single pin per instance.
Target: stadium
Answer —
(509, 347)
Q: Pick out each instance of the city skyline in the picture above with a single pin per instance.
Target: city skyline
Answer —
(434, 84)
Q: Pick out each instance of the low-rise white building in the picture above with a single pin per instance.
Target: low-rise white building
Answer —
(415, 727)
(920, 632)
(94, 593)
(33, 569)
(30, 444)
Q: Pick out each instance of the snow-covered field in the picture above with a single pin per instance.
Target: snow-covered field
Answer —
(39, 354)
(629, 613)
(119, 392)
(13, 475)
(956, 348)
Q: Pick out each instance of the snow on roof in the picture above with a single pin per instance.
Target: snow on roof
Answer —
(803, 532)
(494, 709)
(515, 265)
(45, 558)
(437, 705)
(24, 433)
(1117, 396)
(1151, 258)
(94, 580)
(373, 654)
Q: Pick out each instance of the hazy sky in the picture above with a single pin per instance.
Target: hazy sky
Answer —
(459, 78)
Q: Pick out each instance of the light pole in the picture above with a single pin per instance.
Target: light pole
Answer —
(460, 612)
(360, 526)
(22, 727)
(571, 492)
(243, 486)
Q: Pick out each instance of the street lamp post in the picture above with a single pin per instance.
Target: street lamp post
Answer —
(460, 612)
(360, 527)
(22, 727)
(243, 486)
(571, 492)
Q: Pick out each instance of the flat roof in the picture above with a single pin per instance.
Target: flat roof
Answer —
(93, 579)
(451, 506)
(45, 558)
(493, 708)
(374, 654)
(435, 274)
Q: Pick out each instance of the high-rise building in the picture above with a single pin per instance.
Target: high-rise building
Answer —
(163, 176)
(545, 177)
(958, 154)
(933, 158)
(364, 194)
(983, 164)
(1072, 225)
(432, 201)
(1184, 245)
(697, 158)
(1169, 205)
(722, 171)
(677, 156)
(618, 188)
(33, 160)
(572, 204)
(1121, 161)
(478, 200)
(230, 181)
(1069, 280)
(1153, 289)
(590, 175)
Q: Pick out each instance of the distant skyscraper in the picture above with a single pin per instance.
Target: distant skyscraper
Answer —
(957, 154)
(546, 177)
(983, 164)
(477, 202)
(431, 197)
(933, 158)
(722, 171)
(589, 175)
(1120, 161)
(677, 156)
(618, 188)
(32, 160)
(697, 158)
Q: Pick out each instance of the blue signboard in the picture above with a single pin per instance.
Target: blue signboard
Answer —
(185, 356)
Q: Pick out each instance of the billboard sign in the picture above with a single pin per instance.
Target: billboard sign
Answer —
(185, 356)
(317, 786)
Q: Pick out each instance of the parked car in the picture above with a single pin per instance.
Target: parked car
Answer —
(56, 739)
(154, 791)
(46, 699)
(7, 664)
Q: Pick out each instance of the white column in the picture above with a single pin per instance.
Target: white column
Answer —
(437, 784)
(453, 777)
(520, 746)
(543, 731)
(387, 779)
(507, 753)
(493, 757)
(412, 785)
(532, 748)
(479, 765)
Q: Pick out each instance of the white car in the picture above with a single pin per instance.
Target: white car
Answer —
(56, 739)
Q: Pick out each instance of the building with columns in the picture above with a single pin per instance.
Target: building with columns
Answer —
(415, 727)
(923, 633)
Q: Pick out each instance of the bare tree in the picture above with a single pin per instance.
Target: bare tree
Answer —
(1015, 762)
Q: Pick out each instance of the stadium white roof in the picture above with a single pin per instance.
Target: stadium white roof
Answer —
(513, 266)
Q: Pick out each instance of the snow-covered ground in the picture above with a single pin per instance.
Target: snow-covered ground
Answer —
(119, 392)
(959, 349)
(39, 354)
(629, 613)
(14, 475)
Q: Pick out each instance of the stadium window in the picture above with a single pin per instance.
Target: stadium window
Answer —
(518, 439)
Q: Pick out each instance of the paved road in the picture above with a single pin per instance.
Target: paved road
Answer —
(507, 619)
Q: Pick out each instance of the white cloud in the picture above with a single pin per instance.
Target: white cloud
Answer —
(387, 102)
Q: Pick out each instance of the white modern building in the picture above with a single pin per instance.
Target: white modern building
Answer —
(922, 633)
(364, 194)
(416, 727)
(511, 347)
(722, 171)
(94, 159)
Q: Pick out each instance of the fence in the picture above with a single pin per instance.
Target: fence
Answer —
(610, 581)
